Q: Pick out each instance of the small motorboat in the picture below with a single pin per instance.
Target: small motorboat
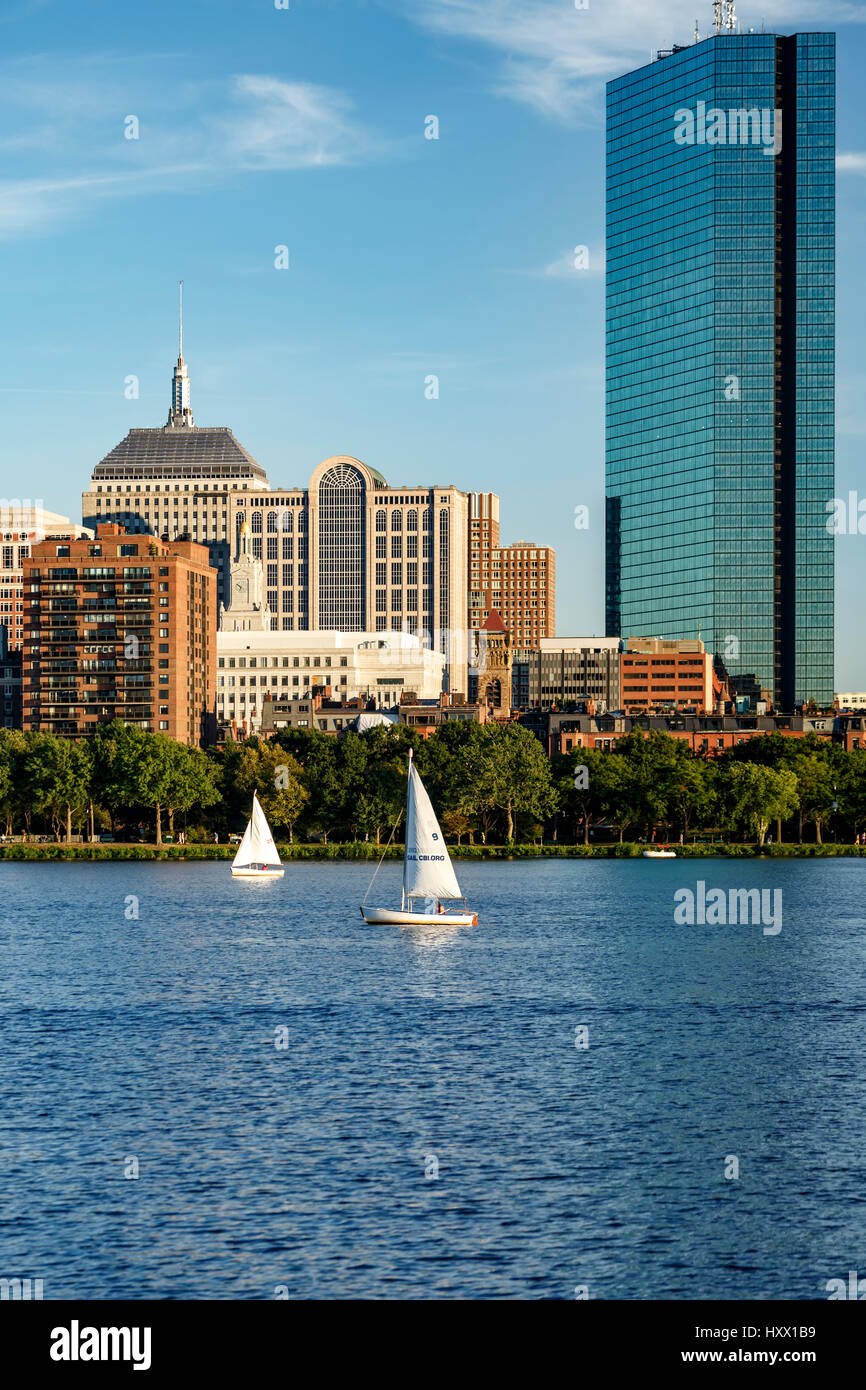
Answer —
(257, 854)
(428, 874)
(661, 853)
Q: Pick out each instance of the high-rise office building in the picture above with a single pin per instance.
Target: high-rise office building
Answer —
(517, 581)
(720, 354)
(348, 552)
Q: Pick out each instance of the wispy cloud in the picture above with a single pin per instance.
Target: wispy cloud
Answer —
(192, 135)
(578, 264)
(291, 125)
(555, 57)
(851, 163)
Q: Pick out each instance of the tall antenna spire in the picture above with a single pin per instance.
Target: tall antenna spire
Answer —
(180, 414)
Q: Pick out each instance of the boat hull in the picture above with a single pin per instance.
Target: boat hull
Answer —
(389, 916)
(659, 854)
(258, 873)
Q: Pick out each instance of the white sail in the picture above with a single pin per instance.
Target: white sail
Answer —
(427, 868)
(257, 846)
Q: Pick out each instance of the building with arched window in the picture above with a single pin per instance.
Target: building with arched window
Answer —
(357, 555)
(348, 552)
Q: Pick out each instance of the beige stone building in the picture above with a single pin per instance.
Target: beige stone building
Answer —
(255, 666)
(348, 552)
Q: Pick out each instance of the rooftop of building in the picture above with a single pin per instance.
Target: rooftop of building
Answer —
(169, 452)
(572, 644)
(323, 639)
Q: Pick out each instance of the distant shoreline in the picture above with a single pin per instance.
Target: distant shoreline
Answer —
(346, 853)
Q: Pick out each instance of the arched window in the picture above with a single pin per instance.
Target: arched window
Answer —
(287, 520)
(396, 520)
(427, 519)
(412, 521)
(381, 521)
(341, 549)
(271, 522)
(240, 519)
(256, 524)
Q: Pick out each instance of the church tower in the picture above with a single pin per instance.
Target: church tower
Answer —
(247, 610)
(495, 661)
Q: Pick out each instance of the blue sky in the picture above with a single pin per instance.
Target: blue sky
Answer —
(408, 257)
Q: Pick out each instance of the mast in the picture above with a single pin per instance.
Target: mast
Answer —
(408, 780)
(180, 415)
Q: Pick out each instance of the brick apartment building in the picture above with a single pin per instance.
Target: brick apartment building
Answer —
(517, 581)
(120, 626)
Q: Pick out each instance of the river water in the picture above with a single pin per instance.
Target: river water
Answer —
(244, 1092)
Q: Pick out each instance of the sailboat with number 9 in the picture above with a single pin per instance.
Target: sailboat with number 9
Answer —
(428, 874)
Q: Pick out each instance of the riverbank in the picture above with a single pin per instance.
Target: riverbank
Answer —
(353, 851)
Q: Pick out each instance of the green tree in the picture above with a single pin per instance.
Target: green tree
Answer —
(57, 779)
(753, 795)
(690, 790)
(13, 754)
(579, 781)
(815, 789)
(516, 774)
(191, 780)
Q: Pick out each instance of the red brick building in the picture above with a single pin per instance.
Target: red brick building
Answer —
(517, 581)
(120, 626)
(659, 674)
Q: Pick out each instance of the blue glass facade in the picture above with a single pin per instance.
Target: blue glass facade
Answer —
(720, 355)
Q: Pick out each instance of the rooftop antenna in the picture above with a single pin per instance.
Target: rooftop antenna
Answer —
(180, 325)
(717, 16)
(697, 33)
(730, 17)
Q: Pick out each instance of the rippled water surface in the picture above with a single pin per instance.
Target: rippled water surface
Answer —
(310, 1166)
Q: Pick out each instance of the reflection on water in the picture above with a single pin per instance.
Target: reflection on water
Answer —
(357, 1111)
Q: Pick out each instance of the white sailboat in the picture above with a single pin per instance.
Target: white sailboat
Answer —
(428, 874)
(257, 854)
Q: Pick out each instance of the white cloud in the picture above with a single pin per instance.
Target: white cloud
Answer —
(193, 134)
(564, 268)
(851, 163)
(556, 58)
(290, 125)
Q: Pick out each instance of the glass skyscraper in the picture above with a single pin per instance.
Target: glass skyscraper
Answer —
(720, 354)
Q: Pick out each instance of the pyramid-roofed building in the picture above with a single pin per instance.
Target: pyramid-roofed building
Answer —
(185, 451)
